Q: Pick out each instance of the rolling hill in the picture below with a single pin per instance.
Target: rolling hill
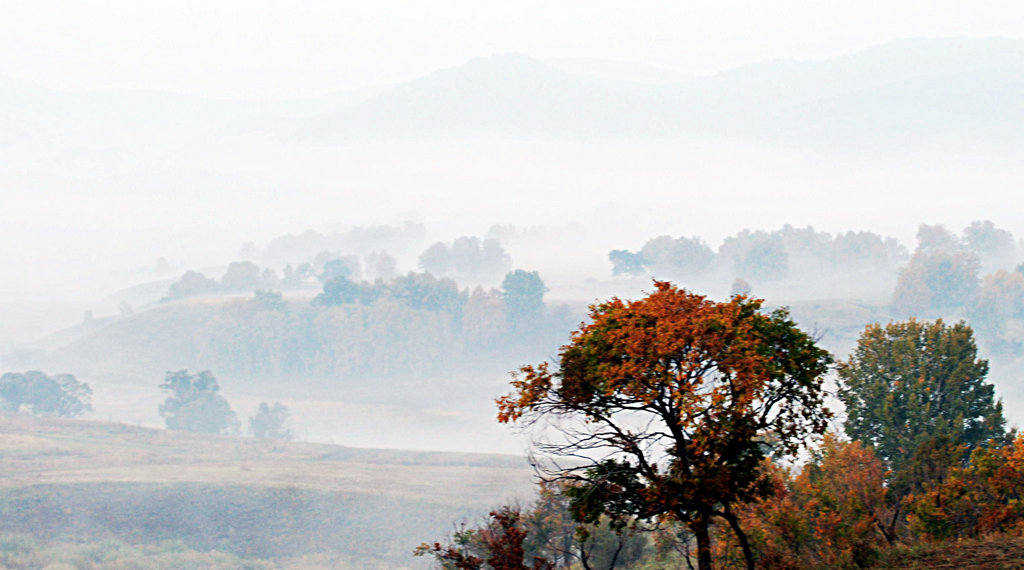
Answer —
(88, 481)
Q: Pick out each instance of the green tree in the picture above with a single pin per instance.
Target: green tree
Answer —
(916, 392)
(436, 260)
(679, 256)
(757, 255)
(668, 405)
(426, 292)
(191, 284)
(195, 405)
(59, 395)
(341, 290)
(241, 276)
(625, 262)
(270, 422)
(346, 266)
(524, 296)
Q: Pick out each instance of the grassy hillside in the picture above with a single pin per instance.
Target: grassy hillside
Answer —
(87, 481)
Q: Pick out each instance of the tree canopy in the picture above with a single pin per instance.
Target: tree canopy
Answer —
(524, 296)
(911, 386)
(270, 422)
(672, 401)
(59, 395)
(195, 405)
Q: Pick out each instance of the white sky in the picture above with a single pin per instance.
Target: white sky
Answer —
(276, 49)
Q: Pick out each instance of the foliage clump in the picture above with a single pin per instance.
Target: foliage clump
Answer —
(194, 404)
(270, 422)
(916, 392)
(60, 395)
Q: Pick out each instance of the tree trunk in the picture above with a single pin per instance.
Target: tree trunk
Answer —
(734, 522)
(700, 530)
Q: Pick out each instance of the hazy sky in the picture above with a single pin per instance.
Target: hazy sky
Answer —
(277, 49)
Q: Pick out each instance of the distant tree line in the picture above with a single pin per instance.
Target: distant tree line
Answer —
(944, 277)
(414, 322)
(466, 259)
(359, 240)
(974, 275)
(758, 255)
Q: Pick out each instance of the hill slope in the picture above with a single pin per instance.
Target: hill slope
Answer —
(77, 480)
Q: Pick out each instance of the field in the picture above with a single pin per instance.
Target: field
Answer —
(81, 481)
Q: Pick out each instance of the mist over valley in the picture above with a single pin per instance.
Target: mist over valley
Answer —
(379, 261)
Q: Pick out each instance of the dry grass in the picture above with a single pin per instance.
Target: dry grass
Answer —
(40, 450)
(84, 480)
(990, 553)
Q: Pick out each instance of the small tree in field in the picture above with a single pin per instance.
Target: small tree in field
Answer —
(668, 404)
(194, 404)
(270, 422)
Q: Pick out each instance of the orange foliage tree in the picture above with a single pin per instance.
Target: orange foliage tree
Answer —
(831, 515)
(499, 544)
(981, 498)
(667, 406)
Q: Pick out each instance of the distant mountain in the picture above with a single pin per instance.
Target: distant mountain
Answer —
(907, 88)
(889, 94)
(618, 70)
(510, 94)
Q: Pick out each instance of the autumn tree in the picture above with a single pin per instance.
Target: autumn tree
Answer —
(497, 546)
(667, 406)
(833, 514)
(841, 493)
(915, 391)
(545, 534)
(980, 498)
